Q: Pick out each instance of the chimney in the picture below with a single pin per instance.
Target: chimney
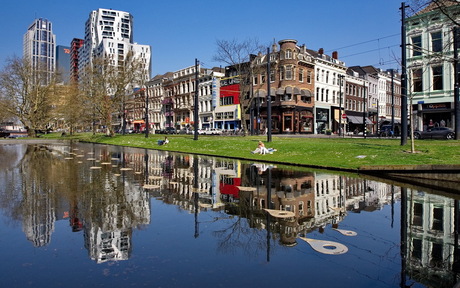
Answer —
(335, 55)
(321, 51)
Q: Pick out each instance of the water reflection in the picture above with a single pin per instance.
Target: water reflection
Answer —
(104, 192)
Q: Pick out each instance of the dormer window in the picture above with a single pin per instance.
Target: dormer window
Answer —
(288, 54)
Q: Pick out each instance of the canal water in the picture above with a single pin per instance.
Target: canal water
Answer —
(87, 215)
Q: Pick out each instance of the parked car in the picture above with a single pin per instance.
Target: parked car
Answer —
(213, 131)
(435, 133)
(170, 130)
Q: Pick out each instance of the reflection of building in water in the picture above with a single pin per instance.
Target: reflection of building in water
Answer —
(367, 195)
(38, 223)
(225, 179)
(316, 199)
(108, 233)
(115, 207)
(430, 239)
(179, 188)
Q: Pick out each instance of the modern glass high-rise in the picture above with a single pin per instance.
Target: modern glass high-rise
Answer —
(39, 47)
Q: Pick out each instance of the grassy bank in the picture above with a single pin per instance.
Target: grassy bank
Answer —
(348, 153)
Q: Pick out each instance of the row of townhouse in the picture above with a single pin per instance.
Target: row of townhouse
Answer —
(310, 92)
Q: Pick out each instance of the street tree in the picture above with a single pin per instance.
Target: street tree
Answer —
(71, 107)
(106, 84)
(237, 55)
(28, 93)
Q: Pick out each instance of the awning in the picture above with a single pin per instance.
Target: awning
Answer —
(260, 93)
(138, 122)
(358, 119)
(306, 92)
(288, 90)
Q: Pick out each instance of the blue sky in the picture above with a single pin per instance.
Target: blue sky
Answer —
(364, 32)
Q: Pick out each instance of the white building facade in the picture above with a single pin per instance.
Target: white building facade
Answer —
(110, 33)
(430, 70)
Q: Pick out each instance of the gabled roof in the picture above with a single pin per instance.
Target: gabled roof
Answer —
(434, 5)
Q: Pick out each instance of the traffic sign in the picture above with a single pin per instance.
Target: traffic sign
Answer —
(344, 116)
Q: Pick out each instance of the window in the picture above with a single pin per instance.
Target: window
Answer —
(309, 77)
(437, 78)
(300, 75)
(255, 80)
(417, 45)
(417, 80)
(436, 41)
(418, 215)
(289, 54)
(438, 219)
(288, 72)
(281, 73)
(272, 75)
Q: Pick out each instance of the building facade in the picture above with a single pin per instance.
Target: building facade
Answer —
(109, 33)
(63, 63)
(430, 70)
(291, 85)
(39, 47)
(75, 46)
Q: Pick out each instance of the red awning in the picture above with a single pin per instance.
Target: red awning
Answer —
(138, 122)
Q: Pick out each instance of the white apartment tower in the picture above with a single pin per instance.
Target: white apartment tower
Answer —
(39, 46)
(110, 33)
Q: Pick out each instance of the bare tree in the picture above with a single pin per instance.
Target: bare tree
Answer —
(71, 108)
(237, 55)
(28, 93)
(106, 84)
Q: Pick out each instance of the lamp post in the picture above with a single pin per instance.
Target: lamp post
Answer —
(341, 132)
(364, 112)
(195, 110)
(147, 112)
(269, 100)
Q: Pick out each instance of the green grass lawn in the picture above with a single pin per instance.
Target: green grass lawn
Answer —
(348, 153)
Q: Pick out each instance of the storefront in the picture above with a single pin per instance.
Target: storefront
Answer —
(433, 115)
(322, 120)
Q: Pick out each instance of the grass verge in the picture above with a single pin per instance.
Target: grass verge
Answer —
(342, 153)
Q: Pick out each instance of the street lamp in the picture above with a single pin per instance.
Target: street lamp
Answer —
(341, 131)
(146, 112)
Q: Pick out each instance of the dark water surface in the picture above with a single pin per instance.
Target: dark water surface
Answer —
(85, 215)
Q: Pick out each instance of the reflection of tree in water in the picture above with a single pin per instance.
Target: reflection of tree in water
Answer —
(238, 235)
